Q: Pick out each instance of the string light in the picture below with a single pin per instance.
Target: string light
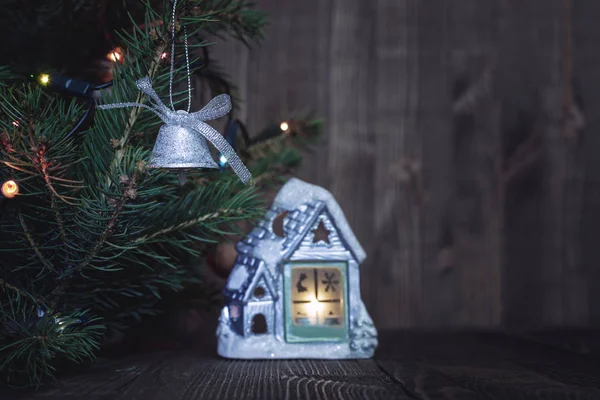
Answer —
(15, 123)
(284, 126)
(44, 79)
(115, 55)
(10, 189)
(164, 55)
(222, 160)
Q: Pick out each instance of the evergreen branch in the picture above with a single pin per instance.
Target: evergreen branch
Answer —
(112, 222)
(189, 223)
(5, 75)
(59, 219)
(34, 245)
(110, 226)
(53, 197)
(136, 111)
(21, 292)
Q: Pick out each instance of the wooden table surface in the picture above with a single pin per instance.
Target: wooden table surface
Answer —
(407, 365)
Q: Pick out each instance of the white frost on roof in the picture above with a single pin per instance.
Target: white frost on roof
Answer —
(237, 277)
(296, 193)
(270, 251)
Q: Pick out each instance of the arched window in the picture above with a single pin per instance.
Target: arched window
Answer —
(259, 292)
(259, 324)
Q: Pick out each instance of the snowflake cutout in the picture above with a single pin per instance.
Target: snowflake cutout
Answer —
(330, 282)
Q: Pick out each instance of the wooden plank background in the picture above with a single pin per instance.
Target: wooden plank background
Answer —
(459, 140)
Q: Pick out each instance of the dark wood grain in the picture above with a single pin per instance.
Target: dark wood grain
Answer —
(396, 217)
(408, 365)
(352, 151)
(463, 223)
(194, 376)
(486, 366)
(587, 83)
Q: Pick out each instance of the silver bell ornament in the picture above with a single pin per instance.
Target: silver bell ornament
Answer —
(181, 142)
(180, 147)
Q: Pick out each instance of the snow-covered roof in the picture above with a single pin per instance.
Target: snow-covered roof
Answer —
(304, 203)
(296, 193)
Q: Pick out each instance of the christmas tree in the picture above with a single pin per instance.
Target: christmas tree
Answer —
(91, 237)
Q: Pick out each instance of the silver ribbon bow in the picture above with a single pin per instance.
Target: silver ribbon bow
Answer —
(216, 108)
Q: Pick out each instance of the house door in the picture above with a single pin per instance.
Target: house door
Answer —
(259, 324)
(316, 301)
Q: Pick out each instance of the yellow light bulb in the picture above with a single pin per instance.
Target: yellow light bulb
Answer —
(44, 79)
(315, 306)
(284, 126)
(10, 189)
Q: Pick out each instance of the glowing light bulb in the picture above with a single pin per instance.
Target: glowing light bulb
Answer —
(315, 306)
(15, 123)
(223, 159)
(115, 55)
(44, 79)
(10, 189)
(284, 126)
(164, 55)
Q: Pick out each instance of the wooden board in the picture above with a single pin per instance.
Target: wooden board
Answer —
(408, 365)
(466, 222)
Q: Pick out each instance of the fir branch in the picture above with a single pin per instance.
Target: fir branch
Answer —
(5, 75)
(189, 223)
(34, 245)
(110, 226)
(59, 219)
(136, 111)
(21, 292)
(50, 186)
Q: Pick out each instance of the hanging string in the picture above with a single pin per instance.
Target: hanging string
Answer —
(187, 61)
(172, 54)
(187, 65)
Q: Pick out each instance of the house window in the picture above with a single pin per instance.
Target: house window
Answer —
(315, 301)
(234, 312)
(259, 292)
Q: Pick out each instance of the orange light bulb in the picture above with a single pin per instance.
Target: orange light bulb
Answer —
(115, 55)
(10, 189)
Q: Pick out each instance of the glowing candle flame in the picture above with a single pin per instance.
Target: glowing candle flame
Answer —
(315, 306)
(10, 189)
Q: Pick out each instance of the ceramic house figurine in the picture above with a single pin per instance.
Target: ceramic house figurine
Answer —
(294, 291)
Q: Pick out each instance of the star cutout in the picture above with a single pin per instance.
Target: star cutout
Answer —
(321, 233)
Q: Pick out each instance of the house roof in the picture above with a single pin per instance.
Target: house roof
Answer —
(245, 275)
(304, 203)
